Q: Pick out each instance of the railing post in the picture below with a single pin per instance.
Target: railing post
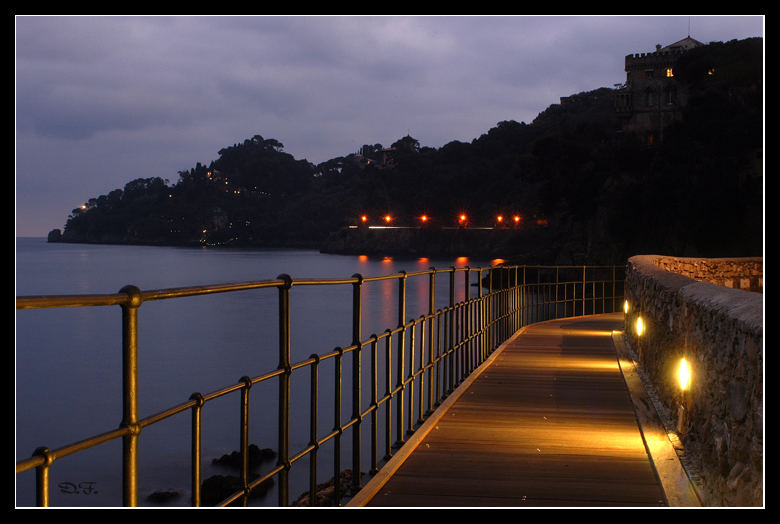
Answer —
(525, 300)
(583, 290)
(481, 318)
(130, 395)
(451, 344)
(244, 439)
(614, 291)
(431, 309)
(284, 387)
(515, 298)
(401, 351)
(557, 280)
(337, 424)
(196, 447)
(538, 295)
(375, 408)
(388, 389)
(42, 478)
(490, 301)
(410, 414)
(313, 411)
(356, 380)
(466, 351)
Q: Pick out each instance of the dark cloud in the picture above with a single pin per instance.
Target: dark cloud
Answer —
(103, 100)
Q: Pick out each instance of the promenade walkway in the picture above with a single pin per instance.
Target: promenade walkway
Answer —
(554, 418)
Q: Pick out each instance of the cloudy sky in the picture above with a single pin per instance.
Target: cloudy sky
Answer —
(101, 101)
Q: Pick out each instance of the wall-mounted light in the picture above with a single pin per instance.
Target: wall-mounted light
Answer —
(640, 326)
(625, 307)
(684, 374)
(684, 378)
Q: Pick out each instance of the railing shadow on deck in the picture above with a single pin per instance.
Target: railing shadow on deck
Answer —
(418, 363)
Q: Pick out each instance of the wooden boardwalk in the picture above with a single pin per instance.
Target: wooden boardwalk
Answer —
(548, 421)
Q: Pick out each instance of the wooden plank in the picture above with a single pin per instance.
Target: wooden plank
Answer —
(548, 423)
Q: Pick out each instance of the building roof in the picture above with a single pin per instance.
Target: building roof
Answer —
(686, 43)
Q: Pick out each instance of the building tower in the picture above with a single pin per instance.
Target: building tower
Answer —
(652, 97)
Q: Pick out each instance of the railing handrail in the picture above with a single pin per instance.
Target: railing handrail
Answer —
(452, 340)
(114, 299)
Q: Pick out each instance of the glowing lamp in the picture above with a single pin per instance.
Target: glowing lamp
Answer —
(499, 219)
(684, 374)
(516, 218)
(625, 307)
(640, 326)
(363, 218)
(388, 218)
(424, 218)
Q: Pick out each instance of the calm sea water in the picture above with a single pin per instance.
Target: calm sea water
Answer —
(68, 360)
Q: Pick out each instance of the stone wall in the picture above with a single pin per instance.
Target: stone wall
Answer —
(719, 331)
(739, 273)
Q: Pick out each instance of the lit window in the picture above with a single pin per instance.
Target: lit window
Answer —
(669, 72)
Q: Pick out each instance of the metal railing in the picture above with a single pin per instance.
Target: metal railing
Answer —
(422, 360)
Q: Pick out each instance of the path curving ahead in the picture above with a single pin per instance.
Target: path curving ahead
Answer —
(547, 421)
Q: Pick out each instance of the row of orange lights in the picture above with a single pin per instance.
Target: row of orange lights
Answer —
(462, 219)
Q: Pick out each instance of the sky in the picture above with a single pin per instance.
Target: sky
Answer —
(103, 100)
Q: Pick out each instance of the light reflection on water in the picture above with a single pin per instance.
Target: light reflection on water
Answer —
(68, 360)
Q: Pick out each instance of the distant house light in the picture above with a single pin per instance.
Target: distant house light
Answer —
(669, 72)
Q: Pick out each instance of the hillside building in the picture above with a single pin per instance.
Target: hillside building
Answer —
(652, 97)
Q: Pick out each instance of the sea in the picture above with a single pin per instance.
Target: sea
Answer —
(68, 361)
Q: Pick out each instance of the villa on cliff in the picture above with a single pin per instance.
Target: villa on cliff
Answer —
(652, 97)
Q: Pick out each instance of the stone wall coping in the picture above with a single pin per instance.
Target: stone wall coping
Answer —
(744, 306)
(646, 264)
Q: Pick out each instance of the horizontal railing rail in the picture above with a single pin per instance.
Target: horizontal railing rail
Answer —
(421, 360)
